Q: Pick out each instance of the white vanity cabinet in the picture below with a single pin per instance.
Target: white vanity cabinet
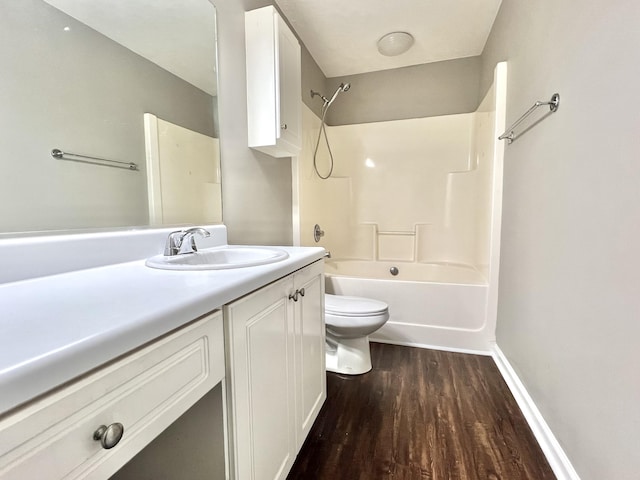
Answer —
(273, 84)
(275, 372)
(53, 437)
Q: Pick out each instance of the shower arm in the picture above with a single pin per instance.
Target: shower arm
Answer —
(318, 94)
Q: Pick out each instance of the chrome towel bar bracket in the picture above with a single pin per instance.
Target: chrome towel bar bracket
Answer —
(509, 135)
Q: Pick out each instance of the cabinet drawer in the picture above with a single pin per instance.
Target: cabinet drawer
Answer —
(145, 391)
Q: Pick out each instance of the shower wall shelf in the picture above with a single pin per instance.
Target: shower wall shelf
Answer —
(509, 135)
(105, 162)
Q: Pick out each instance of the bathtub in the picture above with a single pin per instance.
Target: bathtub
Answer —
(430, 305)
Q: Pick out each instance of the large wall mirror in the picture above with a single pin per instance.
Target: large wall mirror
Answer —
(79, 76)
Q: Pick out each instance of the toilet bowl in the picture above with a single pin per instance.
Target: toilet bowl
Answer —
(349, 322)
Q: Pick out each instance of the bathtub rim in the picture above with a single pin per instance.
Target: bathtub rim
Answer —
(483, 283)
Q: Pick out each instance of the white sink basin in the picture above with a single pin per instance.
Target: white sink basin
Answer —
(219, 258)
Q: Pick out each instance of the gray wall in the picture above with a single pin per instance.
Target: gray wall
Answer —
(256, 188)
(569, 298)
(429, 90)
(79, 91)
(312, 79)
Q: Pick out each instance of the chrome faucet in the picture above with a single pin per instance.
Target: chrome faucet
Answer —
(183, 241)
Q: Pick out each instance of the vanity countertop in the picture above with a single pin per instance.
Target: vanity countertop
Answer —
(55, 328)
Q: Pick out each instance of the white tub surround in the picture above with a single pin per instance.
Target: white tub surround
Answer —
(58, 327)
(408, 190)
(423, 195)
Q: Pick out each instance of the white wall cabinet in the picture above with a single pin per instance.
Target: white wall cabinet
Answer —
(146, 391)
(273, 84)
(276, 372)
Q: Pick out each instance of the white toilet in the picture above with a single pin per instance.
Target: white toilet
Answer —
(349, 322)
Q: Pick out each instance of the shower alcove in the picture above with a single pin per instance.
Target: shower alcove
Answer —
(423, 195)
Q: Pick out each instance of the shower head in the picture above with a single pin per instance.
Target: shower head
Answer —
(342, 88)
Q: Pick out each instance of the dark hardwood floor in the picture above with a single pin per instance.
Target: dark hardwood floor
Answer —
(421, 414)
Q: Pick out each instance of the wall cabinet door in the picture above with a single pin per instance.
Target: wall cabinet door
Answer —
(273, 84)
(290, 83)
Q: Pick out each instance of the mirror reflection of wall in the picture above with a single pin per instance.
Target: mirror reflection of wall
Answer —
(67, 86)
(183, 174)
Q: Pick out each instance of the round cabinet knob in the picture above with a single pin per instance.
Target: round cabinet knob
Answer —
(283, 126)
(109, 436)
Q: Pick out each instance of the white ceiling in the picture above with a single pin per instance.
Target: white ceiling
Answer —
(341, 35)
(179, 36)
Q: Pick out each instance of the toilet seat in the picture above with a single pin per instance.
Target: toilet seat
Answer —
(342, 325)
(352, 317)
(353, 306)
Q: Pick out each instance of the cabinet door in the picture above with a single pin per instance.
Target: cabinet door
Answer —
(310, 354)
(260, 359)
(290, 123)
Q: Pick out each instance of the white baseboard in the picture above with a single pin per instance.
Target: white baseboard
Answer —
(556, 457)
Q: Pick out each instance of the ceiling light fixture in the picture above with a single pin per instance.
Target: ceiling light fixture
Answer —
(395, 43)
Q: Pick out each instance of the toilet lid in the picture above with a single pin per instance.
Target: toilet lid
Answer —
(353, 306)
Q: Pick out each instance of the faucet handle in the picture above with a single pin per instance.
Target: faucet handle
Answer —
(172, 245)
(188, 243)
